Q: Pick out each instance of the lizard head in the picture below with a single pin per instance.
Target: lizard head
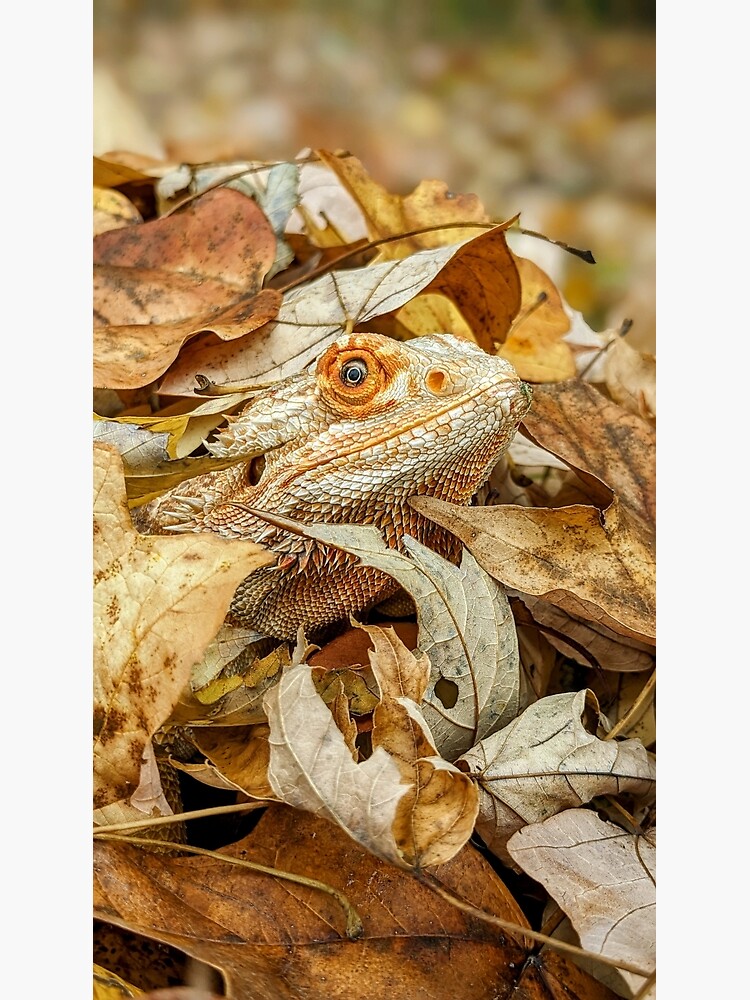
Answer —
(376, 421)
(430, 415)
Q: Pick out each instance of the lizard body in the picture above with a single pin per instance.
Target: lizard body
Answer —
(377, 422)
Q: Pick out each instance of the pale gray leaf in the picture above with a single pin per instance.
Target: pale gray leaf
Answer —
(465, 627)
(312, 768)
(603, 878)
(547, 760)
(140, 449)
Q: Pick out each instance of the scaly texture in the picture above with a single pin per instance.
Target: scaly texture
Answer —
(376, 423)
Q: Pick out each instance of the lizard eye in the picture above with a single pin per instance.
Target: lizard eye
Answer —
(353, 373)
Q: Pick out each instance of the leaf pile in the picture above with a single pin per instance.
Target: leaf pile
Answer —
(457, 802)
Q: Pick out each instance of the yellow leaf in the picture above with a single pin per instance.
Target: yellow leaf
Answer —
(158, 601)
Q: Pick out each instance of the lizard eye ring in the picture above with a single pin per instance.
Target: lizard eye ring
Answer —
(354, 372)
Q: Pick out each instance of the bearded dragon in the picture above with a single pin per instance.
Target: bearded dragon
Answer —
(376, 422)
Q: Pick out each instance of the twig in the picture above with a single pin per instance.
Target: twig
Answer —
(508, 925)
(354, 926)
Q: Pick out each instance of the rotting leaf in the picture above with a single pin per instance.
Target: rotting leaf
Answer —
(547, 760)
(602, 877)
(158, 601)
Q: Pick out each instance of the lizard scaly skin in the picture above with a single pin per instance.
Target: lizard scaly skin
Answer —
(377, 422)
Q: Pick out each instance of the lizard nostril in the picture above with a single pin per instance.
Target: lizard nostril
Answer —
(435, 381)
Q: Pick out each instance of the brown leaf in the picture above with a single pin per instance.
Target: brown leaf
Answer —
(239, 754)
(276, 939)
(157, 603)
(482, 279)
(631, 378)
(126, 357)
(311, 316)
(311, 767)
(436, 817)
(598, 439)
(194, 262)
(550, 976)
(599, 567)
(386, 214)
(114, 169)
(609, 650)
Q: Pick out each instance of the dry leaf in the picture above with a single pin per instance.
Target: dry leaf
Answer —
(483, 282)
(547, 760)
(606, 648)
(386, 214)
(598, 439)
(126, 357)
(596, 567)
(149, 796)
(436, 817)
(311, 767)
(157, 603)
(194, 262)
(309, 319)
(631, 378)
(112, 210)
(108, 986)
(465, 628)
(271, 937)
(140, 449)
(600, 876)
(327, 213)
(535, 345)
(240, 755)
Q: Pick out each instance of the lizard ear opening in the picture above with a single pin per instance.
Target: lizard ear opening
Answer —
(435, 381)
(255, 469)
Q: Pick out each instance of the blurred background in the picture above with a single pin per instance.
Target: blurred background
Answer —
(543, 107)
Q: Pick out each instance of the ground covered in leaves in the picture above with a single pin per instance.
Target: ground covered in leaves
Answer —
(454, 803)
